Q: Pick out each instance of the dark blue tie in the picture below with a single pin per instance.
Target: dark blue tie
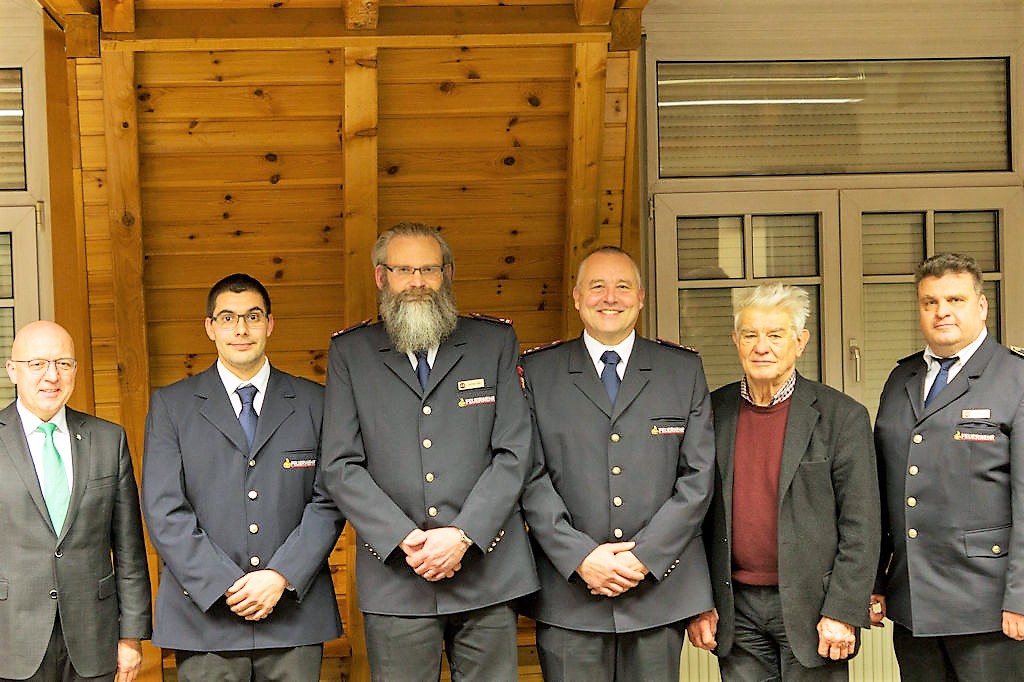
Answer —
(941, 379)
(422, 368)
(609, 375)
(247, 417)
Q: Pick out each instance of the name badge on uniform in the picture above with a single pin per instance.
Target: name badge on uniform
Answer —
(467, 384)
(976, 437)
(478, 400)
(983, 413)
(298, 463)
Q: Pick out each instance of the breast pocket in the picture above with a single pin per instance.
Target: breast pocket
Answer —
(669, 426)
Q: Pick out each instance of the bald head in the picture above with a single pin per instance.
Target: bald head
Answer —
(45, 392)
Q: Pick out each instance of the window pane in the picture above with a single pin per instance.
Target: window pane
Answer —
(706, 323)
(827, 117)
(785, 245)
(6, 267)
(891, 332)
(970, 232)
(12, 131)
(6, 338)
(710, 248)
(893, 242)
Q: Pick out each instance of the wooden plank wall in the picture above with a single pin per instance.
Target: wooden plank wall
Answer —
(243, 163)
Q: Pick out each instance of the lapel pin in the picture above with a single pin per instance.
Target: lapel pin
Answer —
(78, 436)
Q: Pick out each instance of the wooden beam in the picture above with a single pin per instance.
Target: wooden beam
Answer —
(582, 229)
(83, 35)
(60, 10)
(125, 223)
(626, 30)
(359, 151)
(593, 12)
(118, 15)
(361, 14)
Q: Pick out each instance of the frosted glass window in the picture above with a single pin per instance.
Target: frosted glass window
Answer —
(785, 245)
(7, 392)
(893, 242)
(724, 119)
(12, 131)
(710, 248)
(970, 232)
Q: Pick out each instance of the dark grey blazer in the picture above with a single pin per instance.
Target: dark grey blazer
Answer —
(75, 572)
(640, 471)
(962, 460)
(397, 457)
(828, 515)
(203, 493)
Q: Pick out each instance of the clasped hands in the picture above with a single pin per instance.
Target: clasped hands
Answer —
(612, 569)
(434, 554)
(254, 595)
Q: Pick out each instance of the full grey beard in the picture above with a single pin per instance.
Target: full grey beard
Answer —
(418, 320)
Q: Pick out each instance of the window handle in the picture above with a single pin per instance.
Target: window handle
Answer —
(855, 355)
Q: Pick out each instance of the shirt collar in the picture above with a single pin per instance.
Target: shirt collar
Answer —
(30, 422)
(596, 349)
(231, 382)
(963, 355)
(782, 394)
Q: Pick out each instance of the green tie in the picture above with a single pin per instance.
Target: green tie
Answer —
(55, 479)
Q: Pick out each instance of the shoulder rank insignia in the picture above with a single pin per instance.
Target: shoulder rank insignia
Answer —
(489, 318)
(1019, 350)
(348, 329)
(543, 346)
(673, 344)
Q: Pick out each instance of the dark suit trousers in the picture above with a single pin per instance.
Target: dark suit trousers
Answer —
(650, 655)
(958, 658)
(56, 664)
(291, 664)
(480, 646)
(760, 649)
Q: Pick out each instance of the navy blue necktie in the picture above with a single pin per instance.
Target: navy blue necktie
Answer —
(247, 417)
(941, 379)
(422, 368)
(610, 375)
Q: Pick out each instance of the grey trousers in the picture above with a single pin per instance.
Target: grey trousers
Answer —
(289, 664)
(650, 655)
(958, 658)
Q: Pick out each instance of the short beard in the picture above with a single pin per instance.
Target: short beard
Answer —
(418, 319)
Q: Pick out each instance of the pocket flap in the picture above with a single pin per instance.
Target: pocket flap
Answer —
(988, 542)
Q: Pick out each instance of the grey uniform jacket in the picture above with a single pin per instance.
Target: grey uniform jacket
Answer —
(640, 471)
(216, 511)
(397, 457)
(828, 518)
(957, 550)
(94, 571)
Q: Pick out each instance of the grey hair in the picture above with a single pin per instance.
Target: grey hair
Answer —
(380, 248)
(789, 298)
(950, 263)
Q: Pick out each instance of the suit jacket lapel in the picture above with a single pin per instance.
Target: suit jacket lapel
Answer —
(397, 362)
(726, 418)
(217, 410)
(277, 406)
(636, 377)
(803, 417)
(962, 381)
(448, 355)
(12, 437)
(581, 369)
(915, 389)
(81, 454)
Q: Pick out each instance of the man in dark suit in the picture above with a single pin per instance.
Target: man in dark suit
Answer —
(233, 503)
(426, 449)
(950, 439)
(623, 464)
(74, 585)
(794, 522)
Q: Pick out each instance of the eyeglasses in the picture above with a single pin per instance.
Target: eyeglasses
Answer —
(228, 320)
(39, 366)
(404, 271)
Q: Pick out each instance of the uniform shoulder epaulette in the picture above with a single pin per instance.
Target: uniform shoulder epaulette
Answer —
(673, 344)
(1017, 350)
(346, 330)
(918, 354)
(543, 346)
(489, 318)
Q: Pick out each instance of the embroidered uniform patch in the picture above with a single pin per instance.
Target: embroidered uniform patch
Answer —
(478, 400)
(298, 463)
(976, 437)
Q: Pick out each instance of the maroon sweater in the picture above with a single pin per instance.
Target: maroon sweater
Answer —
(760, 432)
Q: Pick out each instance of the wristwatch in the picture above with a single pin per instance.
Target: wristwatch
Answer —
(465, 538)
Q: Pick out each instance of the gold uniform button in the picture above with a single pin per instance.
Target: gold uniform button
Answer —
(617, 501)
(429, 477)
(996, 549)
(617, 532)
(912, 533)
(427, 443)
(911, 501)
(253, 494)
(252, 462)
(253, 528)
(255, 561)
(913, 470)
(616, 471)
(432, 511)
(918, 438)
(616, 438)
(426, 409)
